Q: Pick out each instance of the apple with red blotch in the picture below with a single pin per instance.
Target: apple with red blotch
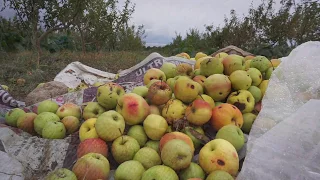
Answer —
(93, 145)
(92, 166)
(176, 135)
(225, 114)
(217, 86)
(133, 108)
(87, 129)
(198, 112)
(61, 174)
(159, 93)
(92, 110)
(47, 106)
(71, 123)
(69, 109)
(176, 154)
(124, 148)
(25, 122)
(219, 154)
(153, 73)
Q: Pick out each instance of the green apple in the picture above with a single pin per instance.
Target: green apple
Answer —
(193, 171)
(69, 109)
(217, 103)
(124, 148)
(110, 125)
(240, 80)
(61, 174)
(42, 119)
(256, 93)
(47, 106)
(131, 169)
(154, 145)
(211, 66)
(155, 126)
(160, 172)
(26, 122)
(243, 100)
(176, 154)
(248, 120)
(108, 95)
(255, 75)
(148, 157)
(186, 90)
(219, 154)
(92, 110)
(71, 123)
(53, 130)
(169, 69)
(13, 115)
(92, 166)
(5, 87)
(159, 93)
(188, 131)
(133, 108)
(153, 73)
(268, 73)
(217, 86)
(261, 63)
(87, 129)
(141, 91)
(171, 82)
(174, 110)
(138, 133)
(219, 174)
(233, 134)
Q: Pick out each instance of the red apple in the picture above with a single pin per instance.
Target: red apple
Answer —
(93, 145)
(25, 122)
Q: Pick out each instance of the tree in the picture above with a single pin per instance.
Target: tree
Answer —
(43, 17)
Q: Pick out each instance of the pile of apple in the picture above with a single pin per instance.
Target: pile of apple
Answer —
(155, 131)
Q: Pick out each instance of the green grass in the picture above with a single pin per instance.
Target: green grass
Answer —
(23, 65)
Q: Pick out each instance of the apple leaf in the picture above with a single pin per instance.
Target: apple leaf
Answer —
(204, 139)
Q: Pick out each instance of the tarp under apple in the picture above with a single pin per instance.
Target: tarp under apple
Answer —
(283, 143)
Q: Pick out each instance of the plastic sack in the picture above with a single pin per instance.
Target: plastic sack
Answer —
(284, 142)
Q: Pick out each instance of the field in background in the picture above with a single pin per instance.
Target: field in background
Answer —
(23, 65)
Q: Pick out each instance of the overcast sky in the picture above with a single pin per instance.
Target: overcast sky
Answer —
(162, 18)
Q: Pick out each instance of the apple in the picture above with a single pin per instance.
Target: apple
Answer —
(217, 86)
(138, 133)
(199, 61)
(208, 99)
(248, 120)
(141, 91)
(225, 114)
(198, 112)
(261, 63)
(87, 129)
(152, 81)
(110, 125)
(92, 166)
(154, 110)
(71, 123)
(275, 62)
(190, 132)
(160, 172)
(232, 63)
(148, 157)
(47, 106)
(233, 134)
(211, 66)
(131, 169)
(249, 57)
(176, 154)
(268, 73)
(175, 135)
(53, 130)
(13, 115)
(219, 174)
(92, 145)
(153, 73)
(199, 79)
(199, 55)
(133, 108)
(26, 122)
(169, 69)
(40, 121)
(243, 100)
(255, 75)
(171, 82)
(240, 80)
(108, 95)
(184, 69)
(61, 174)
(221, 55)
(186, 90)
(173, 110)
(154, 145)
(159, 93)
(5, 87)
(92, 110)
(263, 86)
(219, 154)
(256, 93)
(69, 109)
(193, 171)
(124, 148)
(155, 126)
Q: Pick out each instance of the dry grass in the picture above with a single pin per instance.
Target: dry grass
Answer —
(23, 65)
